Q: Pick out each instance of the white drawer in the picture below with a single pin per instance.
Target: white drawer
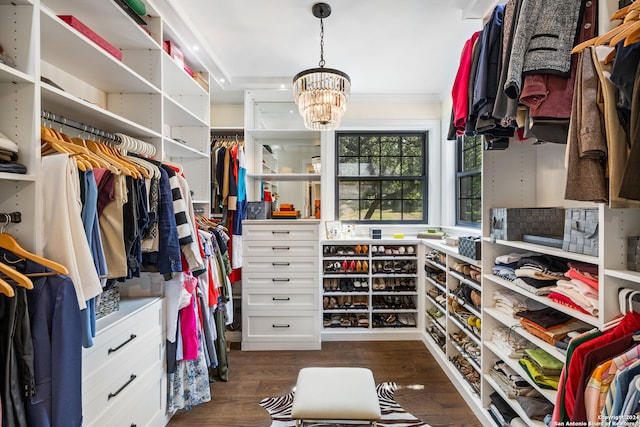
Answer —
(137, 323)
(113, 359)
(291, 326)
(279, 232)
(122, 343)
(290, 264)
(116, 386)
(279, 280)
(287, 300)
(280, 249)
(147, 397)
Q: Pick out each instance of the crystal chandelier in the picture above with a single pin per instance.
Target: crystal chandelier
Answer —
(321, 93)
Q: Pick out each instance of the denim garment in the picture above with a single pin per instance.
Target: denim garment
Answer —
(167, 258)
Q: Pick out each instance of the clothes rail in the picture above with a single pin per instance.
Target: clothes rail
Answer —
(51, 117)
(14, 217)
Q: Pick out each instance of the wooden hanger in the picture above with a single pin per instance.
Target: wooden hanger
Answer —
(6, 288)
(126, 167)
(52, 142)
(8, 242)
(19, 278)
(612, 35)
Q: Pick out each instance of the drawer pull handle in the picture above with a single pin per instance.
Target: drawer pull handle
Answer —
(281, 326)
(280, 280)
(117, 392)
(131, 338)
(280, 248)
(280, 232)
(281, 299)
(281, 264)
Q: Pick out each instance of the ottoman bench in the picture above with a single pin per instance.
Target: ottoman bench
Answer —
(335, 395)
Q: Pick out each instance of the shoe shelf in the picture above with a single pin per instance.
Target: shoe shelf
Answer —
(470, 376)
(367, 285)
(449, 279)
(467, 348)
(433, 330)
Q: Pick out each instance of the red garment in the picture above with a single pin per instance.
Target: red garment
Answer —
(577, 374)
(566, 301)
(591, 360)
(575, 274)
(460, 91)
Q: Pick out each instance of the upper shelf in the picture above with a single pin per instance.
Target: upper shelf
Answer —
(62, 46)
(546, 250)
(55, 100)
(108, 20)
(283, 134)
(176, 81)
(12, 75)
(286, 176)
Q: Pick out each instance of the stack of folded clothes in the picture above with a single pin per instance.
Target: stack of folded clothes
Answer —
(510, 302)
(539, 274)
(543, 368)
(550, 324)
(579, 288)
(510, 343)
(502, 413)
(9, 156)
(510, 382)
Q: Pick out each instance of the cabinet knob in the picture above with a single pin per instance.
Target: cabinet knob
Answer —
(281, 299)
(281, 264)
(281, 326)
(280, 248)
(280, 232)
(280, 280)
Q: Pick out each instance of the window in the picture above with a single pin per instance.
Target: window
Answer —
(469, 180)
(381, 176)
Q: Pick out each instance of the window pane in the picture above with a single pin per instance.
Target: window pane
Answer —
(390, 166)
(349, 210)
(412, 166)
(370, 146)
(390, 146)
(369, 190)
(391, 210)
(348, 166)
(369, 166)
(412, 190)
(370, 209)
(412, 210)
(348, 146)
(391, 189)
(466, 188)
(348, 190)
(412, 146)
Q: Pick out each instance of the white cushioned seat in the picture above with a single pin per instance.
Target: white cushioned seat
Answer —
(335, 394)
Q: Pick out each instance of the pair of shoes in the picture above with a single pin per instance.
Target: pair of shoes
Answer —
(378, 285)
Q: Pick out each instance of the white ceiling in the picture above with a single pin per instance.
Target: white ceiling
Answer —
(399, 47)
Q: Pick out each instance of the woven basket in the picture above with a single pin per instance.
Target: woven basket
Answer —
(108, 302)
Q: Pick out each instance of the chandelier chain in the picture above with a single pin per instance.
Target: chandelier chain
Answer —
(321, 63)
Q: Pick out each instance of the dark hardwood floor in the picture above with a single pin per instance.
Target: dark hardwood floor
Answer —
(424, 389)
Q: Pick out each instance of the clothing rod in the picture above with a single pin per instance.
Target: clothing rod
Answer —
(49, 116)
(11, 217)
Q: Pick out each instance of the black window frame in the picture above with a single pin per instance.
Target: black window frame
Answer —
(460, 174)
(423, 178)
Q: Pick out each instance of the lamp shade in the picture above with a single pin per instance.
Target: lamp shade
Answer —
(321, 95)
